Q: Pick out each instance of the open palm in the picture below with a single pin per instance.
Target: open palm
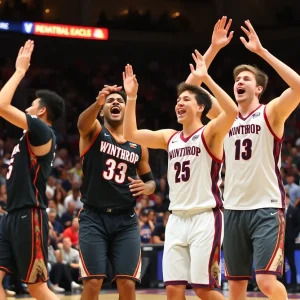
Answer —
(254, 43)
(220, 37)
(201, 69)
(129, 81)
(24, 56)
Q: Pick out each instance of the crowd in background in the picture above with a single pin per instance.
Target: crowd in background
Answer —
(78, 76)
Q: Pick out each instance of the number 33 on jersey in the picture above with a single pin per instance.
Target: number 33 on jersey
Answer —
(109, 164)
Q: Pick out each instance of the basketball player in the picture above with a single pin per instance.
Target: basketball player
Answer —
(194, 231)
(24, 230)
(254, 194)
(109, 227)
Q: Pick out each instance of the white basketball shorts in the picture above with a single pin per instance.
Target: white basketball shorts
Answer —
(192, 249)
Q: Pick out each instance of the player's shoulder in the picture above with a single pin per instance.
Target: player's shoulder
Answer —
(169, 134)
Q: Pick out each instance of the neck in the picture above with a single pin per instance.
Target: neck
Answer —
(116, 130)
(68, 250)
(46, 121)
(190, 128)
(247, 107)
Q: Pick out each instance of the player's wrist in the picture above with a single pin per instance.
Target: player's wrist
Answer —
(262, 52)
(131, 97)
(214, 48)
(20, 72)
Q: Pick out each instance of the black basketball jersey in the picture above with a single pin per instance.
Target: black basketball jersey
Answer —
(27, 174)
(106, 166)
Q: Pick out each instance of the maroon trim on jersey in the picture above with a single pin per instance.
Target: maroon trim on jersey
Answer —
(208, 151)
(215, 255)
(171, 138)
(215, 177)
(91, 143)
(276, 155)
(270, 128)
(187, 138)
(241, 117)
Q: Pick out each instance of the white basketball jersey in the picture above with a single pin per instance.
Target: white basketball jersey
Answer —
(252, 159)
(193, 173)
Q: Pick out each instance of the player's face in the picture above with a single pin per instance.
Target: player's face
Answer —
(187, 108)
(34, 109)
(114, 108)
(245, 87)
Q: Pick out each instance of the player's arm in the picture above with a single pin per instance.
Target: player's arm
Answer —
(218, 41)
(216, 129)
(150, 139)
(280, 108)
(146, 184)
(7, 111)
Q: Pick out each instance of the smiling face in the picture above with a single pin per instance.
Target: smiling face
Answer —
(113, 109)
(187, 108)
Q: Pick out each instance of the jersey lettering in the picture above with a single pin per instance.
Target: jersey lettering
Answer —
(10, 167)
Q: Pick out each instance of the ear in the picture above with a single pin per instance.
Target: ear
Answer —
(101, 113)
(42, 111)
(259, 89)
(201, 108)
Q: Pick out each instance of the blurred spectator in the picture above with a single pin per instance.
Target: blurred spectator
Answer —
(161, 205)
(74, 197)
(291, 232)
(293, 189)
(70, 258)
(159, 231)
(72, 232)
(50, 187)
(57, 226)
(68, 216)
(145, 227)
(3, 171)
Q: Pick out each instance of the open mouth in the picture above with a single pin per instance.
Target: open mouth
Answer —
(241, 91)
(115, 111)
(181, 112)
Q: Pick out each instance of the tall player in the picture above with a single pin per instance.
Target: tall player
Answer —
(254, 194)
(194, 231)
(108, 225)
(24, 230)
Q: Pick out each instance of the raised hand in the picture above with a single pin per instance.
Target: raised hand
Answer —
(130, 83)
(108, 89)
(253, 44)
(220, 37)
(201, 70)
(24, 56)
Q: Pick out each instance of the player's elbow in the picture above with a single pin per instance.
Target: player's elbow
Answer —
(233, 112)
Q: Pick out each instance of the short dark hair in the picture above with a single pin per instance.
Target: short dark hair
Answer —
(54, 104)
(201, 96)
